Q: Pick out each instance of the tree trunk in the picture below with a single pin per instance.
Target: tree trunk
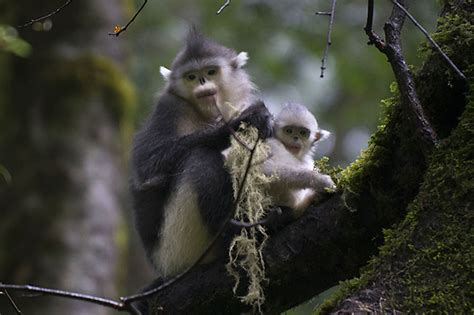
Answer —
(426, 263)
(64, 110)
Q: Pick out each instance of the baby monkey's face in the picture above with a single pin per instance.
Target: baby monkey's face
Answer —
(295, 139)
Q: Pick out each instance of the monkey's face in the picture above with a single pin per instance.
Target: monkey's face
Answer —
(213, 86)
(201, 88)
(296, 140)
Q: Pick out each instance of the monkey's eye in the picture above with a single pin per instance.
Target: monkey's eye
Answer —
(212, 71)
(191, 77)
(289, 130)
(304, 133)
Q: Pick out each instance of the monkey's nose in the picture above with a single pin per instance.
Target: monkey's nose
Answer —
(202, 80)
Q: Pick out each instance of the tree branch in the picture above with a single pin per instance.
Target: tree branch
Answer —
(392, 49)
(318, 248)
(44, 17)
(71, 295)
(225, 5)
(4, 291)
(431, 40)
(328, 35)
(120, 29)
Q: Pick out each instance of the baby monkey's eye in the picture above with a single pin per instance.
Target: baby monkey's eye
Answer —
(212, 71)
(303, 133)
(289, 130)
(191, 77)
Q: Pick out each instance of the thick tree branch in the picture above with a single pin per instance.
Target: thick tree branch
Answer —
(316, 248)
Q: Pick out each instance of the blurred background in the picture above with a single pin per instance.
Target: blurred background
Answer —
(71, 97)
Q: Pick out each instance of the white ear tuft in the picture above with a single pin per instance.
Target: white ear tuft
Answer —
(241, 59)
(322, 134)
(165, 72)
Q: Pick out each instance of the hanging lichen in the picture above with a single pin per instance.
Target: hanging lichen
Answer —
(245, 253)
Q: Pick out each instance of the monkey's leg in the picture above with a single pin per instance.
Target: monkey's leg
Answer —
(304, 200)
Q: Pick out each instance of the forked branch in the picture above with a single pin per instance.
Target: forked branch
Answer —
(391, 47)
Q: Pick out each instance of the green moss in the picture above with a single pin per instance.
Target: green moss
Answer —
(427, 262)
(89, 76)
(344, 289)
(442, 93)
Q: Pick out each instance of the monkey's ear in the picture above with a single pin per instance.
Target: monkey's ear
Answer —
(240, 61)
(166, 73)
(321, 134)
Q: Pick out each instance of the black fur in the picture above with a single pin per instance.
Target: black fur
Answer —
(161, 157)
(200, 47)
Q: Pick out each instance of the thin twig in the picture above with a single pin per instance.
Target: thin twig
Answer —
(119, 29)
(225, 5)
(247, 225)
(130, 299)
(328, 35)
(374, 39)
(44, 17)
(232, 131)
(17, 310)
(431, 40)
(71, 295)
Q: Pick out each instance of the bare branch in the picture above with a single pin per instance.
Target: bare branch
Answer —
(141, 296)
(44, 17)
(374, 39)
(17, 310)
(246, 225)
(431, 40)
(328, 35)
(409, 98)
(71, 295)
(119, 29)
(225, 5)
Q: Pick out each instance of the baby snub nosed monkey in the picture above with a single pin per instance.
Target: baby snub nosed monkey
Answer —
(296, 133)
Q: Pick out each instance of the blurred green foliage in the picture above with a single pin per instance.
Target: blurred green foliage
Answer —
(11, 42)
(285, 40)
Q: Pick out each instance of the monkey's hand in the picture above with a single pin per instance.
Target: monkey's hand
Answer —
(321, 181)
(259, 116)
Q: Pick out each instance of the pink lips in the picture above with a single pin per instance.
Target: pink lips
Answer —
(295, 149)
(205, 93)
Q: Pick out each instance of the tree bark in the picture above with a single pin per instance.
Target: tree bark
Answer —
(63, 112)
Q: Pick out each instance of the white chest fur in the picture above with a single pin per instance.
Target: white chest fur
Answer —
(183, 237)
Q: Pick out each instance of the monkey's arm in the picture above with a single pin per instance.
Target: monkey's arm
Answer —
(294, 178)
(218, 137)
(171, 149)
(158, 149)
